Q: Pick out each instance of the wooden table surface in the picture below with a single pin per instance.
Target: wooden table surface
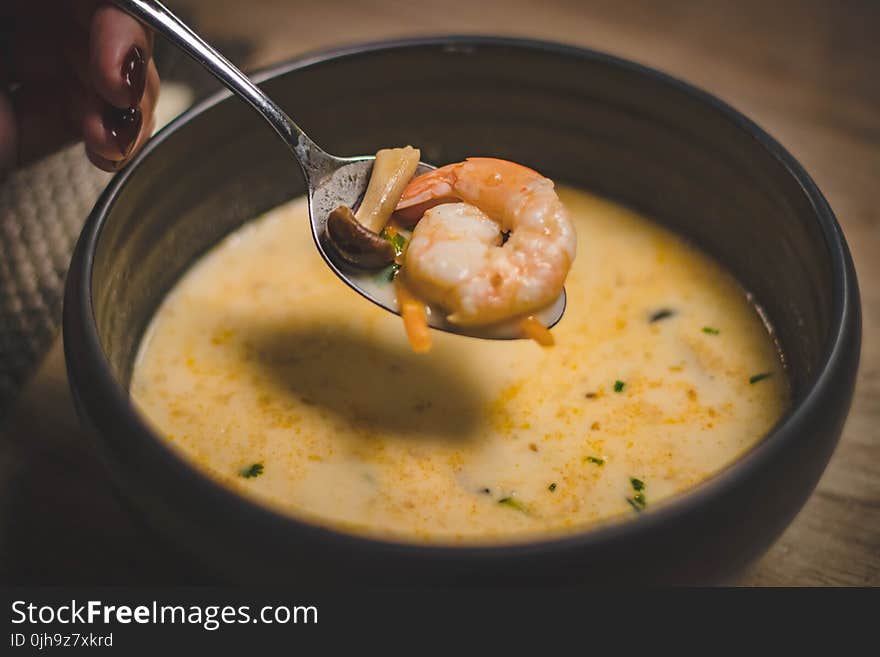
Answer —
(808, 71)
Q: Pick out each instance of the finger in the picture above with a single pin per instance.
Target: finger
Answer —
(113, 135)
(84, 10)
(38, 119)
(151, 97)
(110, 132)
(120, 50)
(102, 163)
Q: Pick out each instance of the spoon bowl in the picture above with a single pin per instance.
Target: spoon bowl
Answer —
(331, 181)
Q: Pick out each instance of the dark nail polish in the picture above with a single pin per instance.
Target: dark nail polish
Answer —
(124, 125)
(134, 75)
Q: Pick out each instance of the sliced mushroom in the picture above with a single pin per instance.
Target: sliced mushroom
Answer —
(356, 237)
(357, 244)
(392, 171)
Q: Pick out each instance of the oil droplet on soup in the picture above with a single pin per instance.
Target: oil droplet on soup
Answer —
(267, 372)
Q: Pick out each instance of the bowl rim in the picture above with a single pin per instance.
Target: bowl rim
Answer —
(79, 314)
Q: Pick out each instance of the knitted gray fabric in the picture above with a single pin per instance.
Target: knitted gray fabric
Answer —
(42, 209)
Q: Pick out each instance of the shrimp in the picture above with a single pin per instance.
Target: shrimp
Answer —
(458, 257)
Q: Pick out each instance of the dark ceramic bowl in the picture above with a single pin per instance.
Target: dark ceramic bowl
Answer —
(607, 125)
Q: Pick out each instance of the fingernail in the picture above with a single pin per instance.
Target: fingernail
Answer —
(124, 125)
(134, 75)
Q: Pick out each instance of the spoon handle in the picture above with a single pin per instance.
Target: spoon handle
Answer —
(157, 16)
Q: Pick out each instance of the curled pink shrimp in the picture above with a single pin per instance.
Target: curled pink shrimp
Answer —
(458, 257)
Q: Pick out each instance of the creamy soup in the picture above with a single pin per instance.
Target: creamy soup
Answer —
(270, 374)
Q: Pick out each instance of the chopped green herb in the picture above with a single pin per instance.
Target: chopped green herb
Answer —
(552, 487)
(513, 503)
(618, 386)
(710, 330)
(635, 505)
(760, 377)
(397, 240)
(595, 459)
(251, 471)
(637, 501)
(663, 313)
(399, 243)
(387, 275)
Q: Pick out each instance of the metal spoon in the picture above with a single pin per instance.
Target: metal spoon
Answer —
(331, 181)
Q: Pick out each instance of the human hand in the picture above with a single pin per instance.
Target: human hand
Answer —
(74, 70)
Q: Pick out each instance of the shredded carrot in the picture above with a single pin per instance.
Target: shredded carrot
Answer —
(415, 319)
(535, 330)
